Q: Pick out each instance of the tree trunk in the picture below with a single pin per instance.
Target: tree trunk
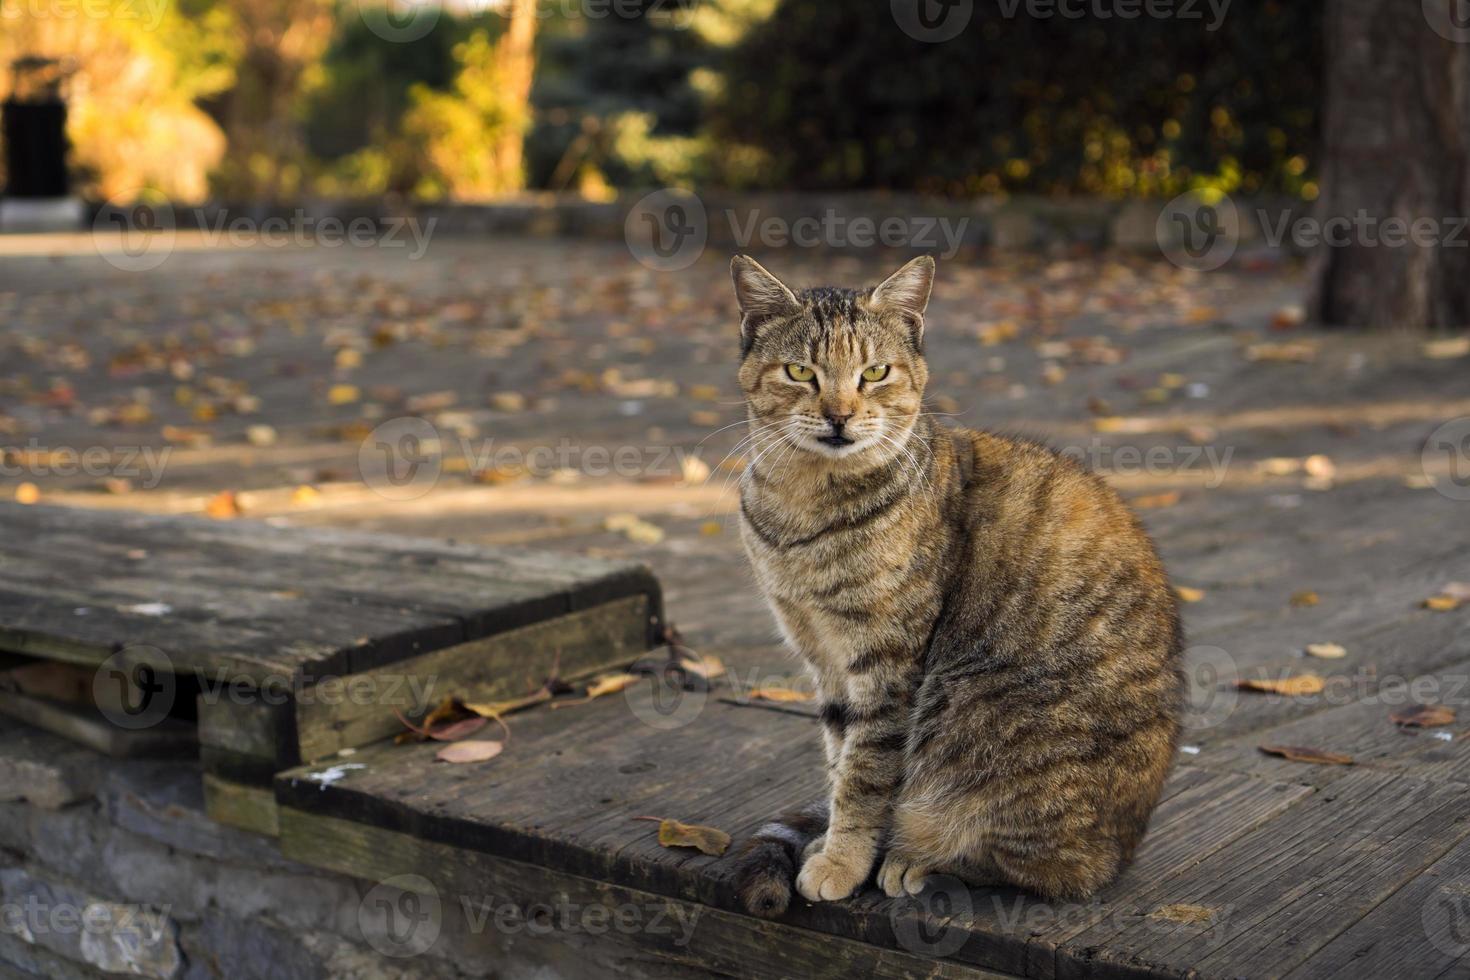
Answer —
(516, 56)
(1395, 169)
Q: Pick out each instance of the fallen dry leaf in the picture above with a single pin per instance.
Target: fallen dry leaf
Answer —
(455, 730)
(1299, 352)
(707, 666)
(471, 750)
(602, 684)
(343, 394)
(1187, 594)
(1183, 913)
(1424, 716)
(1444, 350)
(1301, 684)
(494, 709)
(1301, 753)
(1326, 651)
(27, 493)
(1304, 598)
(778, 694)
(1155, 501)
(1443, 602)
(708, 840)
(223, 506)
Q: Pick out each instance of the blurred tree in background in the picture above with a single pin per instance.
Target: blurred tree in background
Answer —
(1050, 105)
(136, 121)
(265, 99)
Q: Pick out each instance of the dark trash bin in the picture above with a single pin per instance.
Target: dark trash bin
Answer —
(33, 127)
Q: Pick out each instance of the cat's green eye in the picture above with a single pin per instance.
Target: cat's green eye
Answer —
(800, 372)
(876, 373)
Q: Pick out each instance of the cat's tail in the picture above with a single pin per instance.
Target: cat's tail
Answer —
(766, 870)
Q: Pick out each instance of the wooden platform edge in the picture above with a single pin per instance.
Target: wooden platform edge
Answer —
(251, 740)
(501, 893)
(240, 806)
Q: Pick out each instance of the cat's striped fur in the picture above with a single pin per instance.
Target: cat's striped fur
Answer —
(992, 636)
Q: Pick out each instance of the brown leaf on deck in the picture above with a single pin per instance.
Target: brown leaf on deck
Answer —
(494, 709)
(708, 840)
(1304, 598)
(1423, 716)
(1298, 686)
(1187, 914)
(602, 684)
(1326, 651)
(1156, 501)
(470, 750)
(1187, 594)
(223, 506)
(1302, 753)
(782, 694)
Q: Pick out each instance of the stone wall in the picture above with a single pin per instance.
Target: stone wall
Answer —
(110, 867)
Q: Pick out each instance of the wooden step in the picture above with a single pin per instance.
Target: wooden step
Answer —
(293, 644)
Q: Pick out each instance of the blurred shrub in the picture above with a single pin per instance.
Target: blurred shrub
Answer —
(837, 97)
(140, 69)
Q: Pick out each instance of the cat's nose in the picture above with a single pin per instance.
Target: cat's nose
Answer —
(838, 420)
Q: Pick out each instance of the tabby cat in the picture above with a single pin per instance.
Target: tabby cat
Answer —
(993, 639)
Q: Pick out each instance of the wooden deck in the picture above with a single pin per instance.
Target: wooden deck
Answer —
(1256, 866)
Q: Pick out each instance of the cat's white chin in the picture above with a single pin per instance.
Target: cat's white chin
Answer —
(812, 444)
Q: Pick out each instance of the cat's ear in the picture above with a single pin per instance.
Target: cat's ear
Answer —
(906, 293)
(762, 297)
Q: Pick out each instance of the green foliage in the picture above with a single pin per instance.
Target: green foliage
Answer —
(449, 134)
(837, 97)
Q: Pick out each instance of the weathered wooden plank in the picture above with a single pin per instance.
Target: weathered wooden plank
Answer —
(612, 765)
(348, 602)
(1421, 930)
(168, 738)
(1362, 728)
(1282, 891)
(251, 808)
(458, 883)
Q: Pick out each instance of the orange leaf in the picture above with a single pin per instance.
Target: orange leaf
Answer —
(1301, 753)
(708, 840)
(1187, 594)
(1155, 501)
(778, 694)
(470, 750)
(1297, 686)
(223, 506)
(1423, 716)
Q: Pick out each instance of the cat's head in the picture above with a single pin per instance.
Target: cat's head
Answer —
(838, 374)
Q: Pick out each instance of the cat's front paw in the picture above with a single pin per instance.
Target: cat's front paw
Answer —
(827, 877)
(902, 874)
